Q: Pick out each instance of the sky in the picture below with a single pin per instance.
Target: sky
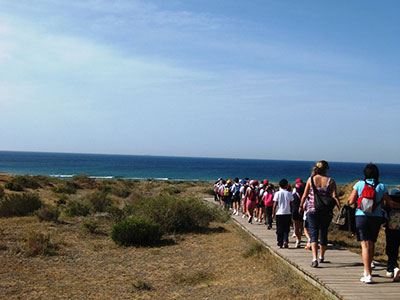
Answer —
(269, 79)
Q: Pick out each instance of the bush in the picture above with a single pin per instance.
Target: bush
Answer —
(18, 183)
(120, 191)
(91, 225)
(61, 199)
(130, 232)
(99, 201)
(75, 208)
(116, 214)
(1, 192)
(36, 243)
(175, 215)
(85, 180)
(48, 213)
(66, 188)
(19, 204)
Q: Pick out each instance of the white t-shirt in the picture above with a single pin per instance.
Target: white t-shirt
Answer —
(283, 199)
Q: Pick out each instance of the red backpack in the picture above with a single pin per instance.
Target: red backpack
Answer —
(252, 194)
(367, 200)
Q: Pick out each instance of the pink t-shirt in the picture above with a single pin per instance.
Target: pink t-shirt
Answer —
(268, 199)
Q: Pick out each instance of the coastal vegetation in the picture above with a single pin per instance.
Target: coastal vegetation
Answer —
(182, 246)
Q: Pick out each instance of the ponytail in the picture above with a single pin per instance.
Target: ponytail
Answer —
(321, 168)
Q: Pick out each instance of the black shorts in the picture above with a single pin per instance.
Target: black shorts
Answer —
(368, 228)
(235, 199)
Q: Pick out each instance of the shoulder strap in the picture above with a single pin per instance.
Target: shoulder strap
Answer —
(313, 186)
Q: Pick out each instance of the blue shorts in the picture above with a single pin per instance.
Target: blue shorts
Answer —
(318, 224)
(368, 228)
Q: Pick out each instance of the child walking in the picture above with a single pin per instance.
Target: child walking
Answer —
(283, 201)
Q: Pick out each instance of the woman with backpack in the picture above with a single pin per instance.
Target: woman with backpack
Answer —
(251, 199)
(319, 186)
(368, 195)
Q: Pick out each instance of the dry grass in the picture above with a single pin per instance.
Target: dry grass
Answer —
(204, 265)
(221, 262)
(195, 266)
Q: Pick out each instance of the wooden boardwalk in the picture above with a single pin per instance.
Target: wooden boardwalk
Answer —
(339, 276)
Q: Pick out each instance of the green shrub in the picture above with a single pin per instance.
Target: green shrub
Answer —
(19, 204)
(120, 191)
(130, 232)
(116, 214)
(99, 201)
(84, 180)
(61, 199)
(174, 214)
(1, 192)
(67, 187)
(75, 208)
(142, 286)
(105, 188)
(48, 213)
(36, 243)
(91, 225)
(18, 183)
(172, 190)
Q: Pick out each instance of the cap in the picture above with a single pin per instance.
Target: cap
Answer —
(265, 182)
(242, 181)
(298, 180)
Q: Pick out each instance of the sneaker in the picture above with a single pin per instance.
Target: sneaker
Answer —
(293, 235)
(244, 216)
(321, 260)
(256, 220)
(308, 246)
(396, 274)
(366, 279)
(285, 245)
(372, 265)
(389, 274)
(250, 219)
(314, 264)
(298, 244)
(269, 227)
(237, 213)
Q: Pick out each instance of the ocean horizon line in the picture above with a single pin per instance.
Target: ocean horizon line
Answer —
(195, 157)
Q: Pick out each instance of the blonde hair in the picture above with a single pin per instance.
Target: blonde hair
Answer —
(321, 168)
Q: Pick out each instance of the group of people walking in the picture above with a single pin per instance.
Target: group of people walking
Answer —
(309, 207)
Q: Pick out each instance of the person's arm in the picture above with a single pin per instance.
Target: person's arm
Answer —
(353, 197)
(274, 209)
(334, 193)
(305, 195)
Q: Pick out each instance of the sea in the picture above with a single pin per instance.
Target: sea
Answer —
(66, 165)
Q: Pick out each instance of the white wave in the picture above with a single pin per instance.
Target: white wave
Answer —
(102, 177)
(62, 175)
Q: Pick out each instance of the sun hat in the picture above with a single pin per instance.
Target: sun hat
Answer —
(266, 182)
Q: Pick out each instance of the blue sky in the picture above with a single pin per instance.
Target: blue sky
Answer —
(300, 80)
